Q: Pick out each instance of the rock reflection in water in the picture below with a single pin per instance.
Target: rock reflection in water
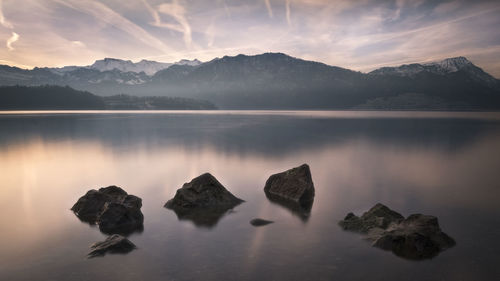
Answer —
(301, 210)
(203, 217)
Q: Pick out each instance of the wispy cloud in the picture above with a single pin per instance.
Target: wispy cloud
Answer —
(288, 12)
(103, 13)
(178, 13)
(78, 43)
(3, 21)
(210, 34)
(11, 41)
(269, 8)
(153, 12)
(358, 34)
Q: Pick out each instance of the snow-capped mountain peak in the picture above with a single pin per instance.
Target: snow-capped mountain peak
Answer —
(448, 66)
(442, 67)
(451, 64)
(194, 62)
(148, 67)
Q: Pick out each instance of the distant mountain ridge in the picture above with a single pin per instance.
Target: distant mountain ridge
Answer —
(446, 66)
(149, 67)
(279, 81)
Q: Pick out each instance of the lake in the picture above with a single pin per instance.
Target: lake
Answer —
(443, 164)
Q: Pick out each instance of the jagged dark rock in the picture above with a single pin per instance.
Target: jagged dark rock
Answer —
(260, 222)
(295, 184)
(203, 200)
(378, 216)
(113, 244)
(416, 237)
(112, 209)
(203, 191)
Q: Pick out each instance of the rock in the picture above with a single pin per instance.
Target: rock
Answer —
(203, 200)
(89, 207)
(260, 222)
(295, 185)
(120, 218)
(112, 209)
(113, 244)
(416, 237)
(378, 216)
(203, 191)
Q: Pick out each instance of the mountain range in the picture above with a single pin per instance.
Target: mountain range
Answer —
(147, 66)
(279, 81)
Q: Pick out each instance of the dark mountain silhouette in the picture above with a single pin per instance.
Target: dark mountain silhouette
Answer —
(278, 81)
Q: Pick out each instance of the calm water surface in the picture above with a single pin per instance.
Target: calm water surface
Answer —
(444, 164)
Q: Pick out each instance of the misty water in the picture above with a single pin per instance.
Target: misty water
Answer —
(443, 164)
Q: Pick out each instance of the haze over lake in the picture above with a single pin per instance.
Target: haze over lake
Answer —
(443, 164)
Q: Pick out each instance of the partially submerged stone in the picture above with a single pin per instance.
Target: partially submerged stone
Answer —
(260, 222)
(120, 218)
(113, 244)
(378, 216)
(416, 237)
(203, 200)
(112, 209)
(295, 185)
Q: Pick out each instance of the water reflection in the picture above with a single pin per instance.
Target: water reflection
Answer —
(202, 217)
(302, 210)
(244, 134)
(447, 167)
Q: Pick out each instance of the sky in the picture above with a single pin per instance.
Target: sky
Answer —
(357, 34)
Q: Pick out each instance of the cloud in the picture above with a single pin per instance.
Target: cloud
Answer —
(210, 34)
(103, 13)
(288, 12)
(178, 13)
(78, 44)
(154, 13)
(11, 41)
(269, 8)
(11, 63)
(358, 34)
(4, 21)
(226, 9)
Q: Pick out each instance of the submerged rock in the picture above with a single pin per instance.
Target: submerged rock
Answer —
(113, 244)
(416, 237)
(260, 222)
(295, 185)
(203, 200)
(112, 209)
